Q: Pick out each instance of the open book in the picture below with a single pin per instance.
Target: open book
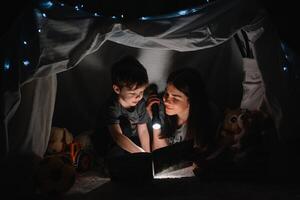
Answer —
(145, 166)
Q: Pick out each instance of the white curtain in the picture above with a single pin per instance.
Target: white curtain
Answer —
(62, 42)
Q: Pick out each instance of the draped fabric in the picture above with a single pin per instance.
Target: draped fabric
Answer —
(43, 43)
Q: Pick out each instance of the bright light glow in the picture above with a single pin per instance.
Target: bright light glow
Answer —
(6, 65)
(180, 173)
(76, 8)
(26, 62)
(24, 42)
(46, 4)
(193, 10)
(172, 15)
(183, 12)
(284, 68)
(145, 18)
(39, 30)
(96, 14)
(156, 126)
(44, 15)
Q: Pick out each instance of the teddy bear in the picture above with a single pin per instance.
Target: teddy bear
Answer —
(239, 145)
(240, 127)
(59, 139)
(85, 141)
(242, 133)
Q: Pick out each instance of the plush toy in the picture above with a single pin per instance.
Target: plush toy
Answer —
(55, 175)
(84, 139)
(240, 150)
(241, 127)
(59, 139)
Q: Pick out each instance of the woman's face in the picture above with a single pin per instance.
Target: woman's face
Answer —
(176, 102)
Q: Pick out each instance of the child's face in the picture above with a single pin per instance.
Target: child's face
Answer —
(129, 97)
(176, 102)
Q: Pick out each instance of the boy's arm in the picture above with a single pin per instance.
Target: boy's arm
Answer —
(144, 137)
(157, 141)
(123, 141)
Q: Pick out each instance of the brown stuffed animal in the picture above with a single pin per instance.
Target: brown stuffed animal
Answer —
(240, 125)
(84, 139)
(240, 145)
(59, 138)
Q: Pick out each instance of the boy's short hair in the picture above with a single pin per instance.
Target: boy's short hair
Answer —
(129, 72)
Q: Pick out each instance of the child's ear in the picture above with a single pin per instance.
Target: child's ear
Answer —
(116, 89)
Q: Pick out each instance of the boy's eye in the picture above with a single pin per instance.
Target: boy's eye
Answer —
(136, 94)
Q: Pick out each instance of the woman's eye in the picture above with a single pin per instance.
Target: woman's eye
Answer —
(175, 100)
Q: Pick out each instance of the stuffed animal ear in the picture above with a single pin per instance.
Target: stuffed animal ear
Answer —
(68, 136)
(56, 134)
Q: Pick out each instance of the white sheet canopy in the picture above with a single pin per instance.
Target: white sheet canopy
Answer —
(44, 42)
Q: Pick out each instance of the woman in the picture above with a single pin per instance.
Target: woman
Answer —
(186, 109)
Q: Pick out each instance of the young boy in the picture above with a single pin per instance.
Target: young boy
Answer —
(126, 114)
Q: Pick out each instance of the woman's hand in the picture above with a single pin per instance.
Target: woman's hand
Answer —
(152, 99)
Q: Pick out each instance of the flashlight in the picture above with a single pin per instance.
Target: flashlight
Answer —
(156, 123)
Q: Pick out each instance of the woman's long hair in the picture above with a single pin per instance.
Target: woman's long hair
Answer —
(189, 82)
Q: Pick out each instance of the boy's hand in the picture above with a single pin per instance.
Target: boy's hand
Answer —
(152, 99)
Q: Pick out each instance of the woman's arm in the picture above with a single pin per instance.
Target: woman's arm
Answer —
(157, 141)
(123, 141)
(144, 137)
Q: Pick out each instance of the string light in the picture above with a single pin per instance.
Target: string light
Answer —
(172, 15)
(144, 18)
(183, 12)
(26, 62)
(6, 65)
(46, 4)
